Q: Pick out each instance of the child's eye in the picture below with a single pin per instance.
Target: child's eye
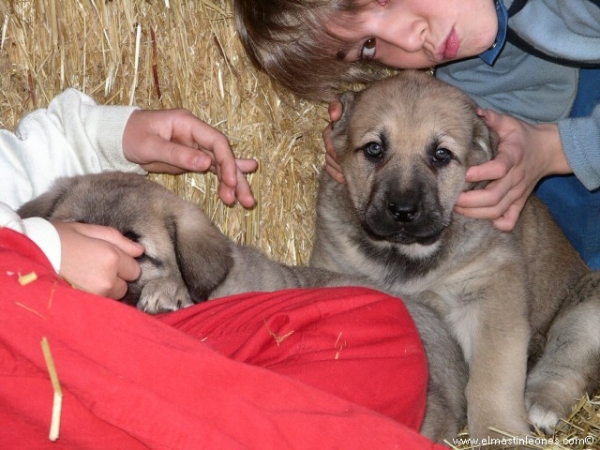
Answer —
(368, 49)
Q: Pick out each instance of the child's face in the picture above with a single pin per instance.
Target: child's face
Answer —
(411, 34)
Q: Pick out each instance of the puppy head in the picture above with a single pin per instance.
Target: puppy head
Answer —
(405, 145)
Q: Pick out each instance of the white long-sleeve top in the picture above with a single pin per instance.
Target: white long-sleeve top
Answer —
(73, 136)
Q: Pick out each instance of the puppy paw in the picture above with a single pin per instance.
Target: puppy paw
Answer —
(551, 392)
(546, 404)
(162, 295)
(543, 417)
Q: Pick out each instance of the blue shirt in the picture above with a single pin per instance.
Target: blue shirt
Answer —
(517, 81)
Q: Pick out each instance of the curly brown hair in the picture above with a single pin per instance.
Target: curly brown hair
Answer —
(288, 40)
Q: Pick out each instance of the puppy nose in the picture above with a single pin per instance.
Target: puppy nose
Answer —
(404, 212)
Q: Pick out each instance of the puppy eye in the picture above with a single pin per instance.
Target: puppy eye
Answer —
(442, 156)
(373, 150)
(368, 49)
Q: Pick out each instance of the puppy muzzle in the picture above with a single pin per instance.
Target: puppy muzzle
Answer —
(403, 220)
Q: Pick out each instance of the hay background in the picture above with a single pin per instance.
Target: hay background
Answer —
(49, 45)
(129, 51)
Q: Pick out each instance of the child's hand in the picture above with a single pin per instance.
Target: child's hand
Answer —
(98, 259)
(331, 165)
(526, 154)
(176, 141)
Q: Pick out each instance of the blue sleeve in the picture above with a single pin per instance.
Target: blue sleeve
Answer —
(581, 142)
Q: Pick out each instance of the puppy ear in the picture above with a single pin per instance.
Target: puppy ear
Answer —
(484, 147)
(203, 253)
(485, 143)
(339, 136)
(347, 100)
(46, 204)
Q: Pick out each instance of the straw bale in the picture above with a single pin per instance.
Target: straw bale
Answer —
(169, 54)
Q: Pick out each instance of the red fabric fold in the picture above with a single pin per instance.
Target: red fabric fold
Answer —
(211, 376)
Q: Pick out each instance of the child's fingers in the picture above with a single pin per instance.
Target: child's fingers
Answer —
(112, 236)
(247, 165)
(334, 170)
(492, 170)
(335, 111)
(243, 192)
(508, 221)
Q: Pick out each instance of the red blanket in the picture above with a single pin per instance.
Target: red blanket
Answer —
(297, 369)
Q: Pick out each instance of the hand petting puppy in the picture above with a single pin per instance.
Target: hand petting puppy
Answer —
(175, 141)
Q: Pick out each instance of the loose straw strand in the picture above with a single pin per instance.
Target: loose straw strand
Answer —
(58, 394)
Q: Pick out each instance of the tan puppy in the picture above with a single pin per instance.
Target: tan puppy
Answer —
(187, 260)
(509, 299)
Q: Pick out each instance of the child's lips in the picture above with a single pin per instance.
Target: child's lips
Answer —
(451, 46)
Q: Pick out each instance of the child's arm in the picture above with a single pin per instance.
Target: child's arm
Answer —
(74, 136)
(49, 143)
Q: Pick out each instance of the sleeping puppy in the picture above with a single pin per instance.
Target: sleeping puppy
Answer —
(512, 300)
(187, 260)
(185, 255)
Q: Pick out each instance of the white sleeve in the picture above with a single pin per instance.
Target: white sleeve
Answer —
(73, 136)
(37, 229)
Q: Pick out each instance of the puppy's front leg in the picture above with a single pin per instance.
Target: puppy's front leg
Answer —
(498, 364)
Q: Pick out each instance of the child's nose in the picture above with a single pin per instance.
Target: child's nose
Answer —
(409, 36)
(413, 37)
